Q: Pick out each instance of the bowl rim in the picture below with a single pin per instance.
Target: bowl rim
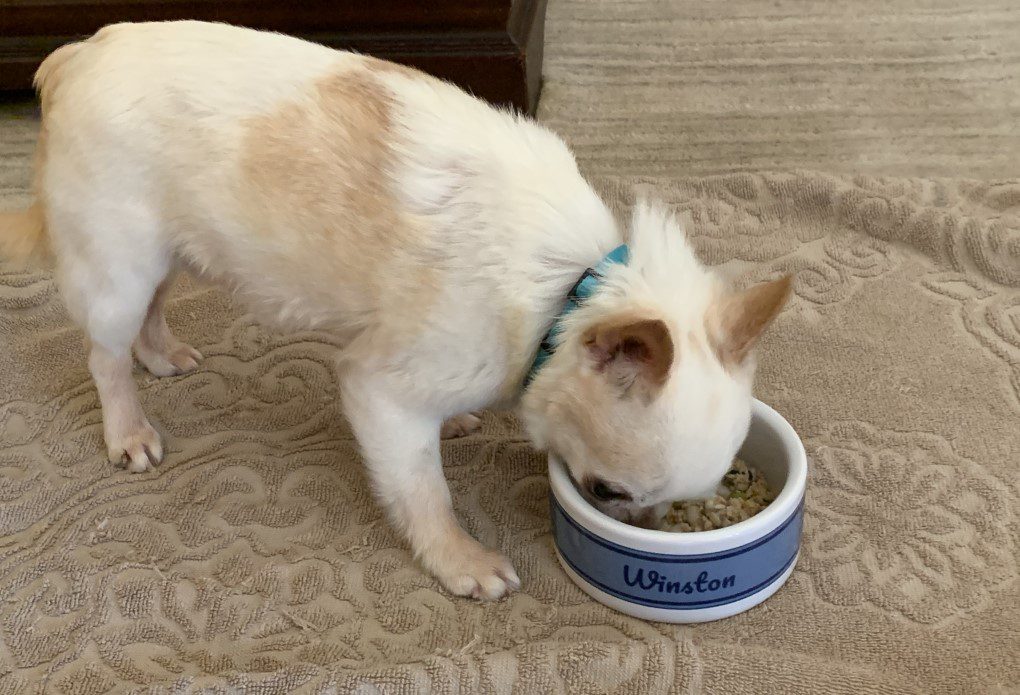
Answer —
(781, 509)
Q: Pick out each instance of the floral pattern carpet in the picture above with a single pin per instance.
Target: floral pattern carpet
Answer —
(255, 556)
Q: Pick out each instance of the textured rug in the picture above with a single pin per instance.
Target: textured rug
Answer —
(254, 558)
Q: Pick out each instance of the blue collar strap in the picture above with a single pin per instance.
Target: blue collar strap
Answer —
(585, 287)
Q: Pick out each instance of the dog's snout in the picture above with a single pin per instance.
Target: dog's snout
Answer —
(646, 517)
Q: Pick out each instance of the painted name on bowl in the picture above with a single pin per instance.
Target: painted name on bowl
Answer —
(665, 585)
(682, 581)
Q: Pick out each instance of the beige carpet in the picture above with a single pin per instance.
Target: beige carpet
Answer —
(255, 559)
(693, 87)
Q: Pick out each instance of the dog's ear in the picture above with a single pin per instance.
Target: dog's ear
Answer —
(738, 320)
(630, 349)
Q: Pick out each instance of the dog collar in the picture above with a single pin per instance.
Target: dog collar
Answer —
(585, 287)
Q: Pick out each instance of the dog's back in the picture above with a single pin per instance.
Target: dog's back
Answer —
(286, 168)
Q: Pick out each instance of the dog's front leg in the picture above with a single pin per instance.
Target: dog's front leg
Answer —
(400, 445)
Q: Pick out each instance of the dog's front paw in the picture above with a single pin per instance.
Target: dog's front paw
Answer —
(472, 570)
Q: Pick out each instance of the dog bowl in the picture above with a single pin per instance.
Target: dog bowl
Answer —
(697, 576)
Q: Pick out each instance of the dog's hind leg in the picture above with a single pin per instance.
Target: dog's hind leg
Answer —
(156, 347)
(110, 264)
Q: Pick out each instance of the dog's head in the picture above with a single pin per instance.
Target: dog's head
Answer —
(648, 395)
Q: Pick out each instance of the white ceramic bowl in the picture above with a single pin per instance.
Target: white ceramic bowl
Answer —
(689, 577)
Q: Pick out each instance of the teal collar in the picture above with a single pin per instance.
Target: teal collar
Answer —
(585, 287)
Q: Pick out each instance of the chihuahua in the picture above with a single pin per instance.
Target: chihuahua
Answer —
(436, 237)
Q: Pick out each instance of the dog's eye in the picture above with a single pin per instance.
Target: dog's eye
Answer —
(601, 490)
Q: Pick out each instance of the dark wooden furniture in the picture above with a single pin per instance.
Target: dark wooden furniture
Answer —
(491, 47)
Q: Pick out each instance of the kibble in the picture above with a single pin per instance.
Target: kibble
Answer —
(743, 493)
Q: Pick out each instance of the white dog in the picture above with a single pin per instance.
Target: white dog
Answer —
(437, 237)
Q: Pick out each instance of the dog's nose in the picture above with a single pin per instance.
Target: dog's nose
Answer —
(645, 518)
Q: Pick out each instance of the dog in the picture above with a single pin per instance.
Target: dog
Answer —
(438, 238)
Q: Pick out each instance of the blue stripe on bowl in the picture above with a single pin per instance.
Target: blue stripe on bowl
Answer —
(647, 578)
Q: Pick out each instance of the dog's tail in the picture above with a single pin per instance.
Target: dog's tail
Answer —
(23, 237)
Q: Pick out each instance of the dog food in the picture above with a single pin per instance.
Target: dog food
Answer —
(746, 493)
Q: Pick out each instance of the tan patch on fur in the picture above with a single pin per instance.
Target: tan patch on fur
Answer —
(318, 184)
(383, 67)
(646, 343)
(333, 149)
(738, 321)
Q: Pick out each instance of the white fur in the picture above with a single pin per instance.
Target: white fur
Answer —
(143, 167)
